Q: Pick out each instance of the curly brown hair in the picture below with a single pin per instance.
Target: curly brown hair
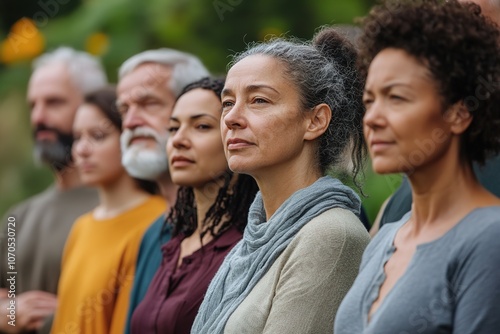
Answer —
(461, 49)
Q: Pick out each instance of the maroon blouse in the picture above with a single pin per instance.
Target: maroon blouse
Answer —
(175, 294)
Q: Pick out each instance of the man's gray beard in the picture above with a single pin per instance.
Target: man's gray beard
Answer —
(144, 163)
(56, 154)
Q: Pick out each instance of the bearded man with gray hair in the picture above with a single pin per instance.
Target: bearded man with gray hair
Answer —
(59, 81)
(149, 83)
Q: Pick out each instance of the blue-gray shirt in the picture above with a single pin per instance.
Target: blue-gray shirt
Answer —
(452, 284)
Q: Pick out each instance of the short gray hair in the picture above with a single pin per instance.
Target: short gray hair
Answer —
(85, 70)
(186, 68)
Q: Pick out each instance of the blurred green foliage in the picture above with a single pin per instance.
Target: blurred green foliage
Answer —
(212, 29)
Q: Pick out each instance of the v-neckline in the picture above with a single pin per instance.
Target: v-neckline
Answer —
(369, 316)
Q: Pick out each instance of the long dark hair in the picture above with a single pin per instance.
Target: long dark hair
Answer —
(235, 193)
(105, 100)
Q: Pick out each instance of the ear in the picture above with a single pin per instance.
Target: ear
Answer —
(458, 118)
(318, 120)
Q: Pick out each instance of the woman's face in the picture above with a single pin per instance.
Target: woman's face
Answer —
(404, 123)
(263, 125)
(96, 147)
(194, 148)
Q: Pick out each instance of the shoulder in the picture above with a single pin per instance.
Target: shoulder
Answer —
(152, 208)
(479, 232)
(156, 228)
(156, 201)
(35, 200)
(83, 222)
(330, 234)
(339, 224)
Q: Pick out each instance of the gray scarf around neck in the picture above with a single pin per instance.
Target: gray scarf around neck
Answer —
(262, 244)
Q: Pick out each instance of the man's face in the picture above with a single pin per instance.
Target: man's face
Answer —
(53, 99)
(145, 102)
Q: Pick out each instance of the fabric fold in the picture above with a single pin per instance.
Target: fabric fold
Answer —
(263, 241)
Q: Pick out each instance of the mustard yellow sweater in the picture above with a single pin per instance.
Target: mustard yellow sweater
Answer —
(98, 268)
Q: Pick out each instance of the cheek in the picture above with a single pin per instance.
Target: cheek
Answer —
(169, 146)
(161, 120)
(110, 150)
(366, 131)
(214, 153)
(223, 131)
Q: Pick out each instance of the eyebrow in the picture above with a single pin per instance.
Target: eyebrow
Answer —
(388, 87)
(137, 97)
(250, 88)
(172, 118)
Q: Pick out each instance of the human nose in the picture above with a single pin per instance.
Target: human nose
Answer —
(133, 118)
(82, 148)
(180, 139)
(38, 114)
(234, 118)
(374, 116)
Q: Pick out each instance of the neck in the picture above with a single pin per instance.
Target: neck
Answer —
(118, 197)
(204, 199)
(444, 198)
(278, 184)
(167, 188)
(67, 178)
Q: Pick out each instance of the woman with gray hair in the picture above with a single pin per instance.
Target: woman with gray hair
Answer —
(290, 111)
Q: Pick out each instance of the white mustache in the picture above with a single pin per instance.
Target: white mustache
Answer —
(141, 131)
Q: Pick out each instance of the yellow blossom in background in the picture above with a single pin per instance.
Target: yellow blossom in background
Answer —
(269, 32)
(24, 42)
(97, 44)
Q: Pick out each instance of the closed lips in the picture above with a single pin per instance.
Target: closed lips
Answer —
(181, 158)
(237, 143)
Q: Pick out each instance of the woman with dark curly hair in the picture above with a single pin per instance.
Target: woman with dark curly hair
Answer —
(291, 110)
(208, 218)
(432, 99)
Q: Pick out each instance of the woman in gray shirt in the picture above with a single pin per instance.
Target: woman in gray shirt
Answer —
(432, 96)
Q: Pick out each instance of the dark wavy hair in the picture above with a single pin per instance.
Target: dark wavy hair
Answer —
(105, 101)
(461, 49)
(235, 192)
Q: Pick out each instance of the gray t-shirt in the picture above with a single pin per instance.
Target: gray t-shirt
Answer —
(452, 284)
(42, 224)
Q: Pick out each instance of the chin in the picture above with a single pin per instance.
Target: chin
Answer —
(90, 181)
(380, 167)
(238, 165)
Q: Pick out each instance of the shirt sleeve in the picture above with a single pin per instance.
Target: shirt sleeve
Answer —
(320, 270)
(477, 286)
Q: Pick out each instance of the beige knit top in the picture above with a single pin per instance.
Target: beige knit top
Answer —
(304, 287)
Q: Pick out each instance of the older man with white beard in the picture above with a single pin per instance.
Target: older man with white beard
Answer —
(148, 86)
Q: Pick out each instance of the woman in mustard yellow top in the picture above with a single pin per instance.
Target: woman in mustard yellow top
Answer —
(100, 254)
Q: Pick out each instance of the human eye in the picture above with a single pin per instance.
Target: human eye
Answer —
(259, 100)
(203, 126)
(227, 104)
(99, 136)
(395, 97)
(367, 101)
(172, 129)
(150, 104)
(55, 102)
(122, 109)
